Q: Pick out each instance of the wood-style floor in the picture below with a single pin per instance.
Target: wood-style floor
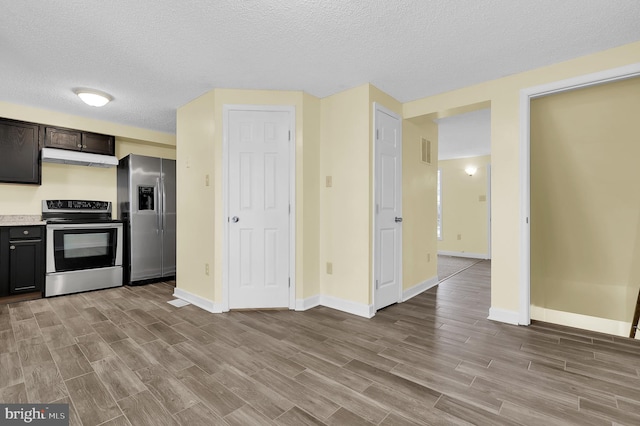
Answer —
(124, 356)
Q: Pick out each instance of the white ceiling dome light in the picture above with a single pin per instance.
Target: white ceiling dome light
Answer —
(93, 97)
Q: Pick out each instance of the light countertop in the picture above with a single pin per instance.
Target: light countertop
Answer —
(21, 220)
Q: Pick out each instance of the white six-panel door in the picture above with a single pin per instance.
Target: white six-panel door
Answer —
(258, 208)
(388, 208)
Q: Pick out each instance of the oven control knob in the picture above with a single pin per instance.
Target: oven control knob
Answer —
(25, 232)
(12, 247)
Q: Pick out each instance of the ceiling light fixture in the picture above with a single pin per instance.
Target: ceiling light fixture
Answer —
(470, 170)
(93, 97)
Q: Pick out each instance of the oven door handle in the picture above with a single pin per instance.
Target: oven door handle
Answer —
(56, 226)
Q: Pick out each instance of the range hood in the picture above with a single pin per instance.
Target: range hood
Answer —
(53, 155)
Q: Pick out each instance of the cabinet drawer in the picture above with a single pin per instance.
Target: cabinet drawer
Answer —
(25, 232)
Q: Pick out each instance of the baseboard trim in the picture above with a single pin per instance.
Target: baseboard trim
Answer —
(308, 303)
(483, 256)
(336, 303)
(585, 322)
(355, 308)
(503, 315)
(419, 288)
(200, 302)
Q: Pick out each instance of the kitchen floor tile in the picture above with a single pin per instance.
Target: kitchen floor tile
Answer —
(10, 369)
(71, 361)
(93, 402)
(93, 347)
(117, 377)
(143, 409)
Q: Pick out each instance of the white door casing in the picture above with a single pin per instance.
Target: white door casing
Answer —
(387, 257)
(259, 247)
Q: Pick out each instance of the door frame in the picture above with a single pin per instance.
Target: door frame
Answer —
(526, 95)
(374, 187)
(488, 210)
(226, 109)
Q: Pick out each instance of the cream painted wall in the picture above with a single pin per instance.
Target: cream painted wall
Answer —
(585, 203)
(334, 137)
(462, 211)
(310, 203)
(345, 224)
(419, 246)
(196, 213)
(62, 181)
(503, 96)
(125, 147)
(200, 153)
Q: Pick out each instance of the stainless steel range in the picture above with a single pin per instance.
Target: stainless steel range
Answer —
(84, 246)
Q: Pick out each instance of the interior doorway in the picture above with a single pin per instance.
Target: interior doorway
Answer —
(526, 95)
(464, 184)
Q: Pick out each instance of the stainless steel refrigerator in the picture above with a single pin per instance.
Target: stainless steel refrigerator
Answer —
(147, 204)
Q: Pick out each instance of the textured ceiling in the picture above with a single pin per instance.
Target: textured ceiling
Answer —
(464, 135)
(156, 55)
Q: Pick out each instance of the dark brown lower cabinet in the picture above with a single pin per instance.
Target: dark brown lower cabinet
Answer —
(22, 263)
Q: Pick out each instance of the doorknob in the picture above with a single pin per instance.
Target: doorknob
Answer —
(235, 219)
(398, 219)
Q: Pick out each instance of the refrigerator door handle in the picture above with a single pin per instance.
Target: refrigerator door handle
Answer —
(158, 207)
(162, 198)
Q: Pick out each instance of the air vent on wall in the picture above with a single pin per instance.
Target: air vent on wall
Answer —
(425, 151)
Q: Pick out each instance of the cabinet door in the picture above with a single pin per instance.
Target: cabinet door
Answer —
(19, 152)
(4, 261)
(98, 144)
(62, 138)
(26, 272)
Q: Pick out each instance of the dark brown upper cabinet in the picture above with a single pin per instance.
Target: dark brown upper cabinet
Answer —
(98, 144)
(77, 140)
(19, 152)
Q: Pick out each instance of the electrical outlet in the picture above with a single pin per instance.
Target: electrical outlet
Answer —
(206, 180)
(329, 268)
(459, 236)
(482, 198)
(206, 269)
(329, 182)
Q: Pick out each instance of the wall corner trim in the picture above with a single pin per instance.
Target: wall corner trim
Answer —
(200, 302)
(503, 315)
(308, 303)
(354, 308)
(419, 288)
